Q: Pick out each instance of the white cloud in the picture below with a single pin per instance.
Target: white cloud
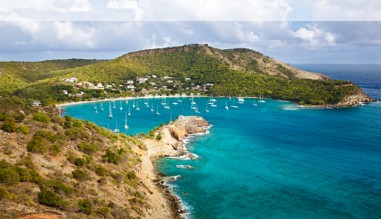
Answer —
(127, 4)
(313, 37)
(74, 35)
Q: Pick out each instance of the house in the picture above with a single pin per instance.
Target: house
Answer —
(36, 103)
(65, 92)
(167, 77)
(100, 86)
(170, 81)
(187, 79)
(72, 80)
(142, 80)
(130, 82)
(154, 76)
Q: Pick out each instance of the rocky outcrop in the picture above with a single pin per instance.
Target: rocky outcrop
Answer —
(172, 136)
(354, 100)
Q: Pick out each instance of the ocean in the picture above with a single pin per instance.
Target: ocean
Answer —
(271, 159)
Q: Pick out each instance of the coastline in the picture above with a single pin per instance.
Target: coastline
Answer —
(171, 145)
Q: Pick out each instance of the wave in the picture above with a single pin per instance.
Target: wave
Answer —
(290, 107)
(187, 167)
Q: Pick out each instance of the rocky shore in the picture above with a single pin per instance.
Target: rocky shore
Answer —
(171, 144)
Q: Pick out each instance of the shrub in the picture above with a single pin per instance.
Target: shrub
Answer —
(4, 194)
(55, 150)
(9, 176)
(9, 125)
(41, 117)
(104, 211)
(23, 129)
(101, 171)
(87, 148)
(85, 206)
(111, 157)
(60, 187)
(79, 162)
(80, 175)
(37, 145)
(46, 135)
(49, 198)
(159, 137)
(131, 175)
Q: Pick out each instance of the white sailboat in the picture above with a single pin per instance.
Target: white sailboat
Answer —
(102, 107)
(157, 110)
(120, 104)
(116, 130)
(234, 106)
(125, 121)
(133, 104)
(114, 105)
(110, 114)
(137, 105)
(206, 108)
(152, 107)
(129, 110)
(226, 105)
(261, 100)
(241, 100)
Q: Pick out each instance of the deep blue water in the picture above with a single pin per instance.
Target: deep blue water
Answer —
(273, 160)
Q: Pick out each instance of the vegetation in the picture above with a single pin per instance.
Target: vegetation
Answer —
(187, 69)
(33, 176)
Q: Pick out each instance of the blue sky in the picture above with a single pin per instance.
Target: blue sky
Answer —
(309, 31)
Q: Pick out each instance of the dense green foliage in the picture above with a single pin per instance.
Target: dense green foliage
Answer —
(233, 72)
(50, 198)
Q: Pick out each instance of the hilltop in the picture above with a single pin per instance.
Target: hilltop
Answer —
(197, 69)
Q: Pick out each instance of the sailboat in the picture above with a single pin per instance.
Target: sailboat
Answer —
(125, 121)
(116, 130)
(193, 104)
(226, 106)
(129, 110)
(152, 107)
(206, 107)
(102, 107)
(157, 110)
(241, 100)
(234, 106)
(133, 104)
(120, 104)
(110, 115)
(137, 105)
(261, 100)
(114, 105)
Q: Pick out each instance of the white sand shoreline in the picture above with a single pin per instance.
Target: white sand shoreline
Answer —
(123, 98)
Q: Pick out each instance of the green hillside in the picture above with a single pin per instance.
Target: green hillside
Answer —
(188, 69)
(19, 74)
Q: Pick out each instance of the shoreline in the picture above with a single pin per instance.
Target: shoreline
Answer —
(175, 134)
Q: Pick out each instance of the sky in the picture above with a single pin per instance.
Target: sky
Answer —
(293, 31)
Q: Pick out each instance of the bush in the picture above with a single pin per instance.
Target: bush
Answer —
(9, 176)
(50, 198)
(60, 187)
(159, 137)
(37, 145)
(46, 135)
(55, 150)
(87, 148)
(9, 125)
(131, 175)
(111, 157)
(79, 162)
(4, 194)
(41, 117)
(85, 206)
(80, 175)
(23, 129)
(101, 171)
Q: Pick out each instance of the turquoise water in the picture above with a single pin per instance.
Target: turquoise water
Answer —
(269, 160)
